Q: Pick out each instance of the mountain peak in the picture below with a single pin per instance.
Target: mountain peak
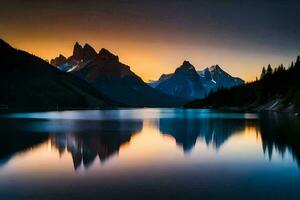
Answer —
(215, 68)
(85, 53)
(77, 46)
(105, 55)
(88, 52)
(186, 63)
(186, 67)
(77, 51)
(87, 46)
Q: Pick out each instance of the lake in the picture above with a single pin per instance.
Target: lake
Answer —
(149, 154)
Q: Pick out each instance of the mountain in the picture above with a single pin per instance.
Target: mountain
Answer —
(28, 82)
(58, 60)
(184, 83)
(278, 89)
(81, 55)
(219, 77)
(115, 79)
(190, 84)
(162, 78)
(84, 54)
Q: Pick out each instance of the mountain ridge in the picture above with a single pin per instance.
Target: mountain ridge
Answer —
(207, 80)
(115, 79)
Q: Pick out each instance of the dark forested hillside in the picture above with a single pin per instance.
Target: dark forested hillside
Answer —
(277, 89)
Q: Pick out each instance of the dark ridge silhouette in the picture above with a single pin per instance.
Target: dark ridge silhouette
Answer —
(278, 89)
(28, 82)
(115, 79)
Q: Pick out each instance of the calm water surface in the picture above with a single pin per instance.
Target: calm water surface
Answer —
(149, 154)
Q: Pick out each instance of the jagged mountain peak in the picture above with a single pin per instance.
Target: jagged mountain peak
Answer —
(77, 46)
(61, 59)
(215, 68)
(86, 45)
(106, 55)
(85, 53)
(89, 48)
(77, 52)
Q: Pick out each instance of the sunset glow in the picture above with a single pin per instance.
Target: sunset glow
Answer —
(154, 39)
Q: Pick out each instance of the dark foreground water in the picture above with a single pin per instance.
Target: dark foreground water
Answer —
(149, 154)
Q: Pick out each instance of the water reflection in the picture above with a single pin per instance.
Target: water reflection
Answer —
(92, 139)
(85, 147)
(212, 131)
(280, 133)
(86, 140)
(12, 143)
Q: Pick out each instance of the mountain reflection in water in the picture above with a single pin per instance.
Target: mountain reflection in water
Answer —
(149, 154)
(85, 147)
(86, 140)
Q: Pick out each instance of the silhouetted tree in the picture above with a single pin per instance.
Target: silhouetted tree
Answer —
(269, 70)
(263, 73)
(297, 63)
(292, 65)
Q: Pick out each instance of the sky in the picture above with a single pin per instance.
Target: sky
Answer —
(154, 37)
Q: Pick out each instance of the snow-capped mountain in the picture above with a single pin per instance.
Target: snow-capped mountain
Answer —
(188, 83)
(219, 77)
(184, 83)
(80, 57)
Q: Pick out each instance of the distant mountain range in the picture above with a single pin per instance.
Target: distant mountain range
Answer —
(88, 79)
(28, 82)
(278, 89)
(106, 73)
(109, 76)
(190, 84)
